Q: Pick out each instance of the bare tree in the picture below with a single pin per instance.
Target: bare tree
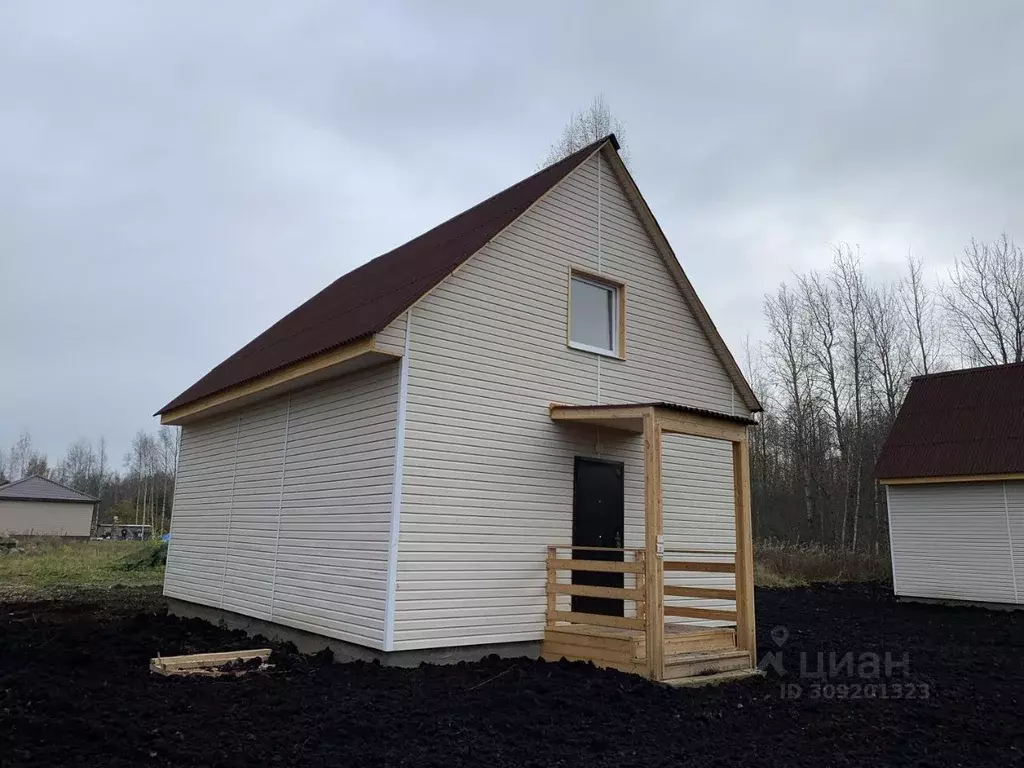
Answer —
(890, 346)
(920, 315)
(585, 127)
(984, 302)
(788, 349)
(19, 456)
(848, 280)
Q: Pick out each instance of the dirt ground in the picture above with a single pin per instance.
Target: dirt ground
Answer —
(75, 690)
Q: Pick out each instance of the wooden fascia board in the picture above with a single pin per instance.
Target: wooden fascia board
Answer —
(701, 426)
(276, 378)
(952, 479)
(696, 306)
(563, 412)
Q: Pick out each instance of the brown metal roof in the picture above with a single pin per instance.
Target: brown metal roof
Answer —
(968, 422)
(738, 419)
(366, 299)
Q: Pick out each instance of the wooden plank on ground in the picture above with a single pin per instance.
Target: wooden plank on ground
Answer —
(700, 613)
(167, 665)
(686, 565)
(702, 592)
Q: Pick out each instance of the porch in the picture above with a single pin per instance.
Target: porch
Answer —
(702, 630)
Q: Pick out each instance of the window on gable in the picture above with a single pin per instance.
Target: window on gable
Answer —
(596, 307)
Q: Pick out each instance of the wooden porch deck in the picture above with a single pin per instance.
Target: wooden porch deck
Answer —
(689, 650)
(681, 649)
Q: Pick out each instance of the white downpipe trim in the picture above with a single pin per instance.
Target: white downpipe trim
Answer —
(1009, 538)
(396, 492)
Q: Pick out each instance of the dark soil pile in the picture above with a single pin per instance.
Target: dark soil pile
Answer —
(75, 690)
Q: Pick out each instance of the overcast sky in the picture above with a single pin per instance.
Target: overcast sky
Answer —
(175, 176)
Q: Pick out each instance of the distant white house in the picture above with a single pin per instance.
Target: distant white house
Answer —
(37, 506)
(518, 433)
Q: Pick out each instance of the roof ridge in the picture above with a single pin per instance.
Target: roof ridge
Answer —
(959, 371)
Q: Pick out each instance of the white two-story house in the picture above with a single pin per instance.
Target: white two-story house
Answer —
(518, 433)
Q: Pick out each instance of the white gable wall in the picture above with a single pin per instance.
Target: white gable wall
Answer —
(487, 479)
(45, 518)
(282, 509)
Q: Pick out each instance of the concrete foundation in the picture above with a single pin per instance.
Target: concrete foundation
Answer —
(960, 603)
(310, 642)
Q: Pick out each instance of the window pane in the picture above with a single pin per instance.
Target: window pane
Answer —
(592, 314)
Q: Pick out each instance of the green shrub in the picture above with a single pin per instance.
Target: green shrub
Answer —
(152, 555)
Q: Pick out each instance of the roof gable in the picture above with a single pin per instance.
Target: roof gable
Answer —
(366, 300)
(363, 301)
(958, 423)
(38, 488)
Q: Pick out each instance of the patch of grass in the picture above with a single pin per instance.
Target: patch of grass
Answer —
(39, 566)
(778, 564)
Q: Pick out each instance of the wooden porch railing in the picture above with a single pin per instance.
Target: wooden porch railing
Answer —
(693, 563)
(635, 594)
(649, 609)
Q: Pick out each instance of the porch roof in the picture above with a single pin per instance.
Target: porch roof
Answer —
(671, 417)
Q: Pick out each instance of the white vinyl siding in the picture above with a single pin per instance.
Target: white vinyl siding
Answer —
(45, 518)
(392, 338)
(953, 540)
(281, 510)
(698, 512)
(488, 476)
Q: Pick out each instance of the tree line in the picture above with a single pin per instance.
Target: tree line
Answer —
(839, 352)
(141, 491)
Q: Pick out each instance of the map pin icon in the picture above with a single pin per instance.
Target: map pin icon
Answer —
(780, 635)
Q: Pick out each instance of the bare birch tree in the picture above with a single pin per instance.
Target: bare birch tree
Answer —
(984, 302)
(585, 127)
(788, 349)
(921, 316)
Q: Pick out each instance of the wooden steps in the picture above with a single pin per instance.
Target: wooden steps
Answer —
(690, 665)
(690, 651)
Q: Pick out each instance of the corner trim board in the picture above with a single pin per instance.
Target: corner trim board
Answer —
(396, 492)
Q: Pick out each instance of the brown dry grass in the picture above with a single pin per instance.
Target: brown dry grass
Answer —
(778, 564)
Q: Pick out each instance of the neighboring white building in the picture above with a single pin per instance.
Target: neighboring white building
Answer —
(389, 464)
(953, 468)
(38, 506)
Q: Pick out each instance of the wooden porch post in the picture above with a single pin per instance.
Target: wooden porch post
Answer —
(746, 638)
(654, 561)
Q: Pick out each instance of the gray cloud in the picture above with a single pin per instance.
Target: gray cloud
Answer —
(175, 177)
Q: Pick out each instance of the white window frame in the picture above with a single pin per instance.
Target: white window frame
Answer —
(618, 302)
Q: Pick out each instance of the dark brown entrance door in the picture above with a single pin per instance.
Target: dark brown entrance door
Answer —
(597, 521)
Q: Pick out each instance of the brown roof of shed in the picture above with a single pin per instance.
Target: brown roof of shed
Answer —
(368, 298)
(968, 422)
